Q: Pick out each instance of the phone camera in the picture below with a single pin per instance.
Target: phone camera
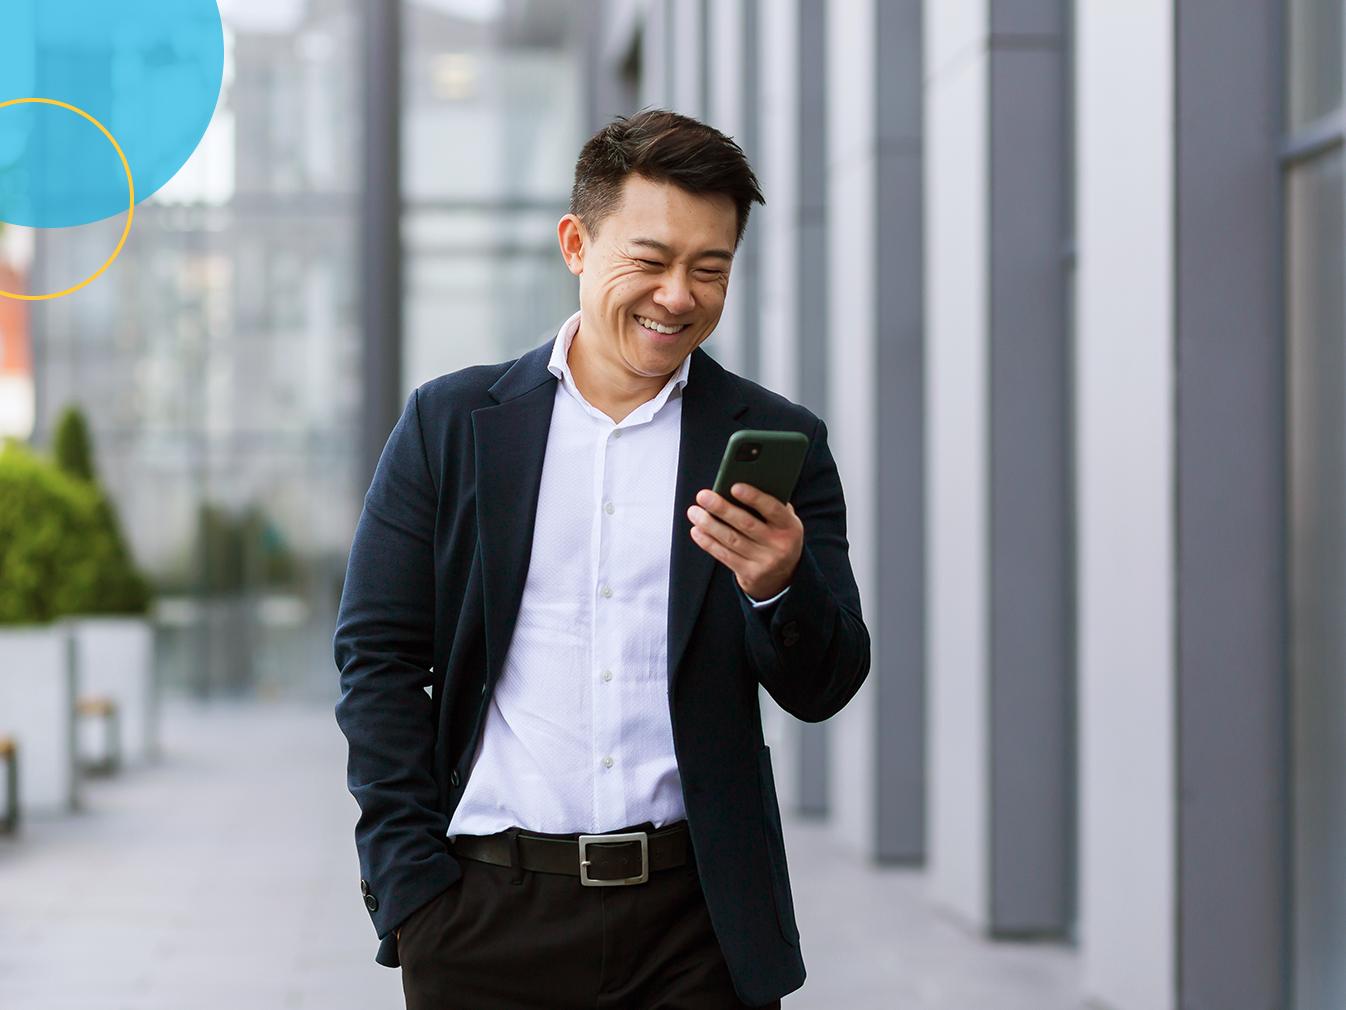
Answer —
(748, 451)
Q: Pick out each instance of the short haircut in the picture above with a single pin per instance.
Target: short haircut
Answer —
(661, 146)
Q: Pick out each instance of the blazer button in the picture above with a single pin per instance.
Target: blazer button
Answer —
(789, 633)
(371, 903)
(453, 779)
(364, 886)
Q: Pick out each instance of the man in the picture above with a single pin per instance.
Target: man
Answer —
(540, 550)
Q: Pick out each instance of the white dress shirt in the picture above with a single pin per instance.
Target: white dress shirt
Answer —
(578, 736)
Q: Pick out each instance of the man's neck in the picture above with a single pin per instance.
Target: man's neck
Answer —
(605, 384)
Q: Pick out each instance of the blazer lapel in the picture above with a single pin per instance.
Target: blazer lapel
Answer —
(711, 405)
(511, 443)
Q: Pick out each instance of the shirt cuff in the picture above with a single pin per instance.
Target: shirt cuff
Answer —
(759, 604)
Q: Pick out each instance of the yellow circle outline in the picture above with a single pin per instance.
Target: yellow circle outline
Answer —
(131, 207)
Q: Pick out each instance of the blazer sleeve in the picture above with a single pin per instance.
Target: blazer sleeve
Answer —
(811, 649)
(383, 648)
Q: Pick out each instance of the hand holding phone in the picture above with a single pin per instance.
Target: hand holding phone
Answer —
(762, 554)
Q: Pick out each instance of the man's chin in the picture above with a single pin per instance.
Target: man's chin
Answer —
(656, 364)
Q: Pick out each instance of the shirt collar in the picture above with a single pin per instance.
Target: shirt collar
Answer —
(559, 365)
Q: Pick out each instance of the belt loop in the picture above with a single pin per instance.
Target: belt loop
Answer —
(515, 860)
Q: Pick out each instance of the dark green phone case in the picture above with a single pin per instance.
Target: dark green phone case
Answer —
(773, 467)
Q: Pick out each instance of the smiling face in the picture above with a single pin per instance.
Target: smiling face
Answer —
(652, 283)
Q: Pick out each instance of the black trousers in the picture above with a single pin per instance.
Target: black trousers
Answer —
(508, 939)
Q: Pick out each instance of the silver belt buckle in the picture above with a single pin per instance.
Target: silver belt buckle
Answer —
(633, 836)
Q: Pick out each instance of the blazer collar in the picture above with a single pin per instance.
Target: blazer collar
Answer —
(527, 373)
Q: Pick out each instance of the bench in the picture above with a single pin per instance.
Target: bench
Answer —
(9, 754)
(98, 707)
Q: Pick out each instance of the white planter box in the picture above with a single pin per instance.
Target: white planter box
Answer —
(114, 658)
(37, 700)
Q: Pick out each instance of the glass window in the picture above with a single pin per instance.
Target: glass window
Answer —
(1314, 86)
(1317, 452)
(492, 126)
(220, 361)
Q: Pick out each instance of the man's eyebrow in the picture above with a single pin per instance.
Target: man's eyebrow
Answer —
(660, 247)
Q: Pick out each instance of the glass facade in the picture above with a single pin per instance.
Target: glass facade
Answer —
(492, 119)
(220, 362)
(1316, 363)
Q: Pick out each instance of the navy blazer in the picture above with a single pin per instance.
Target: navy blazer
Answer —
(432, 592)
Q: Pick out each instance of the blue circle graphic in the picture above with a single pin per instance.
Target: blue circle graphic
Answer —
(148, 70)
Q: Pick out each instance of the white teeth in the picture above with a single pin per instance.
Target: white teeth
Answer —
(657, 327)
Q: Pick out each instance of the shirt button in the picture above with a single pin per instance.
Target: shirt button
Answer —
(607, 674)
(617, 433)
(609, 508)
(607, 592)
(607, 762)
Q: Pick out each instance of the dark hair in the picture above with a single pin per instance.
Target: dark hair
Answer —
(662, 146)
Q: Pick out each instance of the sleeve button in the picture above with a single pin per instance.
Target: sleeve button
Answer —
(453, 779)
(371, 903)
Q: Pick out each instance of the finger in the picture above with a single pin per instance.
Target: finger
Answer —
(732, 537)
(768, 506)
(736, 516)
(718, 551)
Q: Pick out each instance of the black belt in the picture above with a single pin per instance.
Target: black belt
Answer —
(598, 860)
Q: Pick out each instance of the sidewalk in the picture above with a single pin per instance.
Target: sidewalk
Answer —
(225, 878)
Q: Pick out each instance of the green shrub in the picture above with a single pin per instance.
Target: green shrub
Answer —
(118, 588)
(72, 447)
(59, 550)
(50, 549)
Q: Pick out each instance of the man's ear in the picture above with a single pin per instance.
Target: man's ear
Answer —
(574, 242)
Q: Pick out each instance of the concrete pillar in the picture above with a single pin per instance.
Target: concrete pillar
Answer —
(1124, 463)
(957, 452)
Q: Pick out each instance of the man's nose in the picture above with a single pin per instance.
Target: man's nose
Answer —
(675, 296)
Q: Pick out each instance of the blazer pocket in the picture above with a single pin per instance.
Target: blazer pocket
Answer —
(775, 844)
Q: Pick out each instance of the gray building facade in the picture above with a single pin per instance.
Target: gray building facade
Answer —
(1065, 281)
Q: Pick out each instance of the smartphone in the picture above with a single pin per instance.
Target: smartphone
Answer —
(768, 460)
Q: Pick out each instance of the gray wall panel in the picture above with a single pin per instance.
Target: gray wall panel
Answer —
(381, 226)
(1030, 527)
(1232, 815)
(900, 373)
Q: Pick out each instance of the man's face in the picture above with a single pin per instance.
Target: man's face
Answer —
(662, 258)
